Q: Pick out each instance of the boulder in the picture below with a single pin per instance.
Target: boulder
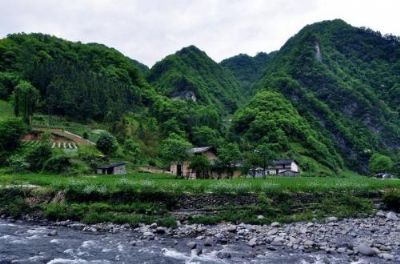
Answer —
(392, 216)
(208, 242)
(252, 242)
(366, 250)
(191, 245)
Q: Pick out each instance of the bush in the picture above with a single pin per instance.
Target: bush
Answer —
(107, 144)
(11, 131)
(18, 163)
(58, 164)
(38, 156)
(391, 199)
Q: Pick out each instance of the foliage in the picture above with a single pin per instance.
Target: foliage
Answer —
(18, 163)
(38, 155)
(229, 156)
(380, 163)
(107, 144)
(25, 100)
(175, 149)
(191, 71)
(201, 165)
(11, 131)
(247, 70)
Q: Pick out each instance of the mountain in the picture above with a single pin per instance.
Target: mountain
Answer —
(345, 82)
(191, 74)
(80, 81)
(247, 69)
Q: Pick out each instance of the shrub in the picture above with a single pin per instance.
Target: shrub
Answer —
(18, 163)
(38, 156)
(107, 144)
(58, 164)
(391, 199)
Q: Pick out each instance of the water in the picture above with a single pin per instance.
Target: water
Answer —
(22, 242)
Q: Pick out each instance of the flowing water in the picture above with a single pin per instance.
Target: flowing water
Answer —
(22, 242)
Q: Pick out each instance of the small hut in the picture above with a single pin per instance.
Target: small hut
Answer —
(112, 169)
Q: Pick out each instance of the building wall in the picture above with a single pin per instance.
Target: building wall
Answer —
(294, 167)
(119, 170)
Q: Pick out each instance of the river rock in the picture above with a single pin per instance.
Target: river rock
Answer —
(161, 230)
(148, 235)
(392, 216)
(275, 224)
(331, 219)
(259, 217)
(366, 250)
(278, 241)
(52, 233)
(252, 242)
(387, 256)
(208, 242)
(224, 255)
(191, 245)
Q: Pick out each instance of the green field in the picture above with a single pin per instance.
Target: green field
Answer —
(168, 183)
(147, 198)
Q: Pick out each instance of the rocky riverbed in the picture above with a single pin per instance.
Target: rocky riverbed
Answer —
(369, 240)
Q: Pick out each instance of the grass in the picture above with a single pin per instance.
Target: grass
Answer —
(147, 198)
(156, 183)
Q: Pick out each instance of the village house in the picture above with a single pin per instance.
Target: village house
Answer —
(183, 169)
(112, 169)
(283, 167)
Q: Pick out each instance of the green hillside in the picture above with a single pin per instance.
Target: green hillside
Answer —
(344, 81)
(81, 81)
(247, 69)
(190, 73)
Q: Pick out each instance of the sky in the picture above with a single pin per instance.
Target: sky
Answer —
(149, 30)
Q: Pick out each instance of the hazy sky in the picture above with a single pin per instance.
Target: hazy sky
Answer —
(148, 30)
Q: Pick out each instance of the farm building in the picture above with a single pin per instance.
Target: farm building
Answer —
(283, 167)
(183, 169)
(112, 169)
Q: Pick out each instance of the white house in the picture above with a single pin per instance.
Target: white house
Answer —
(284, 167)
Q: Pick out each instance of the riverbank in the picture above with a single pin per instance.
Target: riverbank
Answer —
(161, 199)
(375, 239)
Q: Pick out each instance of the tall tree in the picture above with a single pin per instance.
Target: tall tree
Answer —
(25, 100)
(175, 149)
(229, 156)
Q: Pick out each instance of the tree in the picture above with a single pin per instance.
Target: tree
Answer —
(25, 100)
(201, 165)
(11, 131)
(263, 156)
(175, 149)
(380, 163)
(132, 149)
(228, 156)
(107, 144)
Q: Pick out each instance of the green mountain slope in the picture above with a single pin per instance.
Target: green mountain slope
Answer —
(345, 82)
(191, 74)
(80, 81)
(247, 69)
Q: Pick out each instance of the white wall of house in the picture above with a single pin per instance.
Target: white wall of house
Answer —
(119, 170)
(294, 166)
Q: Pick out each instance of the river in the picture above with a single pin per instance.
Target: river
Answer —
(25, 242)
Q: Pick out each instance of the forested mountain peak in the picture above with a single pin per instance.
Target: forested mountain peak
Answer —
(345, 81)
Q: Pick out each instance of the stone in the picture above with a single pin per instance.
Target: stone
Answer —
(275, 224)
(224, 255)
(208, 242)
(366, 250)
(161, 230)
(272, 232)
(331, 219)
(52, 233)
(386, 256)
(148, 234)
(259, 217)
(252, 242)
(153, 225)
(308, 243)
(392, 216)
(191, 245)
(278, 241)
(380, 213)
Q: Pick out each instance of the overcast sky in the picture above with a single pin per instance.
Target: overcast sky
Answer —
(148, 30)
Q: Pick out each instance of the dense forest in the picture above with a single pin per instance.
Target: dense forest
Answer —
(328, 98)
